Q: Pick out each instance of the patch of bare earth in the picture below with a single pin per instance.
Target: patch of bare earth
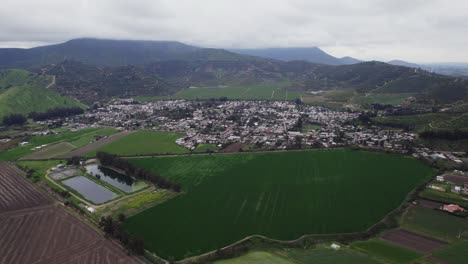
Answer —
(413, 241)
(95, 145)
(35, 230)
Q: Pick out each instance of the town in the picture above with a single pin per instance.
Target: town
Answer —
(267, 125)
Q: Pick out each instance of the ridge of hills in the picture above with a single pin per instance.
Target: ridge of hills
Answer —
(24, 92)
(95, 69)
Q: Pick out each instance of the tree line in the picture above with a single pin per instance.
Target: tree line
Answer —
(113, 228)
(57, 112)
(455, 134)
(14, 120)
(131, 170)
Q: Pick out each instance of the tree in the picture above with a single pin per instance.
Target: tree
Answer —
(136, 245)
(121, 217)
(14, 120)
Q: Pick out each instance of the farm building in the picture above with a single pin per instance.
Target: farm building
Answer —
(335, 246)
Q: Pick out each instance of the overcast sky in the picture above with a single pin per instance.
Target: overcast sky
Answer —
(412, 30)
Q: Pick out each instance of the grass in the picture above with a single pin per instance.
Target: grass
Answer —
(435, 223)
(136, 203)
(274, 91)
(256, 257)
(387, 251)
(309, 127)
(321, 100)
(324, 255)
(77, 138)
(51, 151)
(319, 255)
(145, 142)
(281, 195)
(40, 168)
(457, 253)
(22, 92)
(206, 148)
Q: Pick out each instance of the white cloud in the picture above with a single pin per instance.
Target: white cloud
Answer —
(416, 30)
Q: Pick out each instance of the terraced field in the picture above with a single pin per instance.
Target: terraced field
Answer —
(280, 195)
(36, 231)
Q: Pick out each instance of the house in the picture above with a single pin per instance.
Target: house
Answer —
(440, 178)
(456, 189)
(335, 246)
(452, 208)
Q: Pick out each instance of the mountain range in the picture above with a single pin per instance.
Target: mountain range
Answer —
(92, 70)
(314, 55)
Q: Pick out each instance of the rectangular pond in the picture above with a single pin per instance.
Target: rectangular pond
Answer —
(114, 178)
(90, 190)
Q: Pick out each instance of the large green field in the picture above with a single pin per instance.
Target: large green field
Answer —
(281, 195)
(145, 142)
(274, 91)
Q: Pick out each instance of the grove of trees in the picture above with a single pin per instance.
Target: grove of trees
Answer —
(56, 113)
(113, 228)
(14, 120)
(131, 170)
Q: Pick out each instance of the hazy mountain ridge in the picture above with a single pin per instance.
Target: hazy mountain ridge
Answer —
(173, 66)
(99, 52)
(313, 55)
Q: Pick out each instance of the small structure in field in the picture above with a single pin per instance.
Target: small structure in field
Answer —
(452, 208)
(335, 246)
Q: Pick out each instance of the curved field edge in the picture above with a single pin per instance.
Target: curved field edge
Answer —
(277, 195)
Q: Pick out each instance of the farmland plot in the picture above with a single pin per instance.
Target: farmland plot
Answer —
(36, 231)
(279, 195)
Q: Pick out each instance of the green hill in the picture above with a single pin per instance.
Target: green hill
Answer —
(24, 92)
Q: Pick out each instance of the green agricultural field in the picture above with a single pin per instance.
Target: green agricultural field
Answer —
(425, 121)
(320, 255)
(454, 254)
(145, 142)
(324, 255)
(52, 151)
(281, 195)
(257, 257)
(436, 223)
(275, 91)
(381, 98)
(76, 138)
(387, 251)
